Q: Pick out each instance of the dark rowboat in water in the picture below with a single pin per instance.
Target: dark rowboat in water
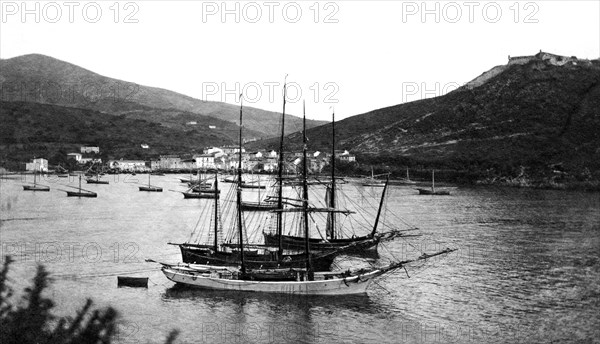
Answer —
(126, 281)
(151, 188)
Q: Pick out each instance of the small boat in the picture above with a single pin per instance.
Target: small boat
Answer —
(127, 281)
(433, 191)
(197, 195)
(35, 186)
(258, 206)
(232, 180)
(250, 186)
(203, 188)
(405, 180)
(372, 181)
(97, 180)
(150, 188)
(81, 192)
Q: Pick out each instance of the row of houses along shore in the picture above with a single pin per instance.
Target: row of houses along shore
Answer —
(214, 158)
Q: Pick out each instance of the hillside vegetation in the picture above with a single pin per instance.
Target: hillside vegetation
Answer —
(42, 130)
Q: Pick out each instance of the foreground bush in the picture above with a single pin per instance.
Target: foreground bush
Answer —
(31, 322)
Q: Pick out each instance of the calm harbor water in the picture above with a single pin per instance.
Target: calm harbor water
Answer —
(527, 269)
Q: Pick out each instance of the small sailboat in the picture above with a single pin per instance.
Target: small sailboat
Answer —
(61, 172)
(150, 188)
(81, 192)
(406, 180)
(202, 190)
(433, 191)
(35, 186)
(372, 181)
(97, 180)
(260, 205)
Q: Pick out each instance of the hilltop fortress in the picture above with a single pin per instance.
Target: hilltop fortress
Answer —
(552, 59)
(541, 58)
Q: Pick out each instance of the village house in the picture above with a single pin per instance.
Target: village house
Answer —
(169, 162)
(205, 161)
(345, 156)
(218, 152)
(229, 150)
(37, 165)
(74, 156)
(128, 165)
(188, 164)
(90, 149)
(90, 160)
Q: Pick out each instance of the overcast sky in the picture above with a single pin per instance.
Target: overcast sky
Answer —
(354, 55)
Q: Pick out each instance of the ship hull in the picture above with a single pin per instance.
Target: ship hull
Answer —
(81, 194)
(334, 286)
(252, 259)
(198, 195)
(359, 245)
(92, 181)
(150, 189)
(35, 188)
(431, 192)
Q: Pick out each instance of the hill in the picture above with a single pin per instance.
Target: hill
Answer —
(43, 79)
(52, 131)
(537, 118)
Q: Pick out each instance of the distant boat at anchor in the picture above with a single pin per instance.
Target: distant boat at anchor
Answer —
(81, 192)
(372, 181)
(433, 191)
(35, 186)
(150, 188)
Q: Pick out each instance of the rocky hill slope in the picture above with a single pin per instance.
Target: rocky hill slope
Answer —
(538, 116)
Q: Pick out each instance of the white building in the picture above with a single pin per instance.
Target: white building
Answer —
(128, 165)
(75, 156)
(205, 160)
(90, 149)
(39, 165)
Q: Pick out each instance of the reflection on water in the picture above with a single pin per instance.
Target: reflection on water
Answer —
(527, 269)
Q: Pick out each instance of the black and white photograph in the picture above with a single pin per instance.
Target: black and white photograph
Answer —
(309, 171)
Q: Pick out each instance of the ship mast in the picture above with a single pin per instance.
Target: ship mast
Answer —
(239, 195)
(216, 247)
(280, 178)
(331, 216)
(305, 196)
(387, 181)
